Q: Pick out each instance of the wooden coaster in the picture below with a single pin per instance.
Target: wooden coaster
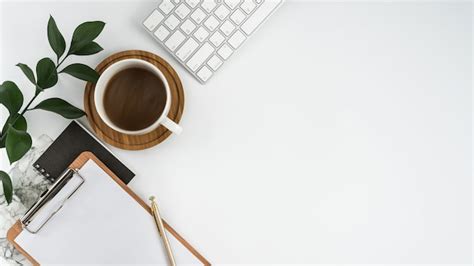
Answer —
(135, 142)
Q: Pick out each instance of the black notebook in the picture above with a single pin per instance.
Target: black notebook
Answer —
(71, 143)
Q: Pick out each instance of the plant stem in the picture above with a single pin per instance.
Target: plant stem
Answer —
(29, 103)
(61, 62)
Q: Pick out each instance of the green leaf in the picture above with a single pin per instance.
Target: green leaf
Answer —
(20, 124)
(55, 38)
(7, 186)
(17, 144)
(81, 71)
(46, 73)
(11, 96)
(85, 34)
(28, 72)
(60, 107)
(91, 48)
(30, 75)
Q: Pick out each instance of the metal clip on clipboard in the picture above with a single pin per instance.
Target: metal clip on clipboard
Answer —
(47, 205)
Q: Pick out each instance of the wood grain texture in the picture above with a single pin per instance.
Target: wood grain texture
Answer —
(16, 229)
(12, 233)
(135, 142)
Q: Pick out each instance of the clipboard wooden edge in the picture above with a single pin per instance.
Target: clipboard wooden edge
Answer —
(16, 229)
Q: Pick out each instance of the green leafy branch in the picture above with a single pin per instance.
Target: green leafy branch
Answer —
(14, 136)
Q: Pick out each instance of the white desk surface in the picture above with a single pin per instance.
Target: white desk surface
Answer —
(340, 133)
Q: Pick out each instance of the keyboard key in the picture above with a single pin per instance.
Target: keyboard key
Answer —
(198, 15)
(208, 5)
(225, 51)
(192, 3)
(211, 23)
(153, 20)
(216, 39)
(200, 56)
(259, 15)
(188, 26)
(182, 11)
(205, 73)
(232, 3)
(161, 33)
(186, 50)
(215, 62)
(172, 22)
(201, 34)
(175, 40)
(238, 16)
(227, 28)
(248, 5)
(222, 12)
(166, 6)
(237, 39)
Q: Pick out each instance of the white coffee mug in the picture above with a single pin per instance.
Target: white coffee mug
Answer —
(122, 65)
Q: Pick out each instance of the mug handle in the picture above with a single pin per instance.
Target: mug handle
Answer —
(171, 125)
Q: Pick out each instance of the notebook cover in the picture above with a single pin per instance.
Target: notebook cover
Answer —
(69, 145)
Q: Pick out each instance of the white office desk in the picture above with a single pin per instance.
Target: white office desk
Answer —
(340, 133)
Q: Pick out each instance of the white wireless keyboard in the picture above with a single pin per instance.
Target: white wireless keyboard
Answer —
(202, 34)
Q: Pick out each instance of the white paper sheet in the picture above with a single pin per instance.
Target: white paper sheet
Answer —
(100, 224)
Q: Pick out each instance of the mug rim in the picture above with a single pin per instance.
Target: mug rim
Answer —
(101, 86)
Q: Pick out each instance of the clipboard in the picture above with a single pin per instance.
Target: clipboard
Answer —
(77, 164)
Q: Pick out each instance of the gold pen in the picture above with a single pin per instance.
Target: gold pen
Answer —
(161, 230)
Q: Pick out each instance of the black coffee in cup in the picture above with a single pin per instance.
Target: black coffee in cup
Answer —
(134, 98)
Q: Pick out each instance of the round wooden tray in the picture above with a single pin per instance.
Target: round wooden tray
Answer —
(135, 142)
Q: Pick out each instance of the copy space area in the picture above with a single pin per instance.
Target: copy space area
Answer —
(339, 133)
